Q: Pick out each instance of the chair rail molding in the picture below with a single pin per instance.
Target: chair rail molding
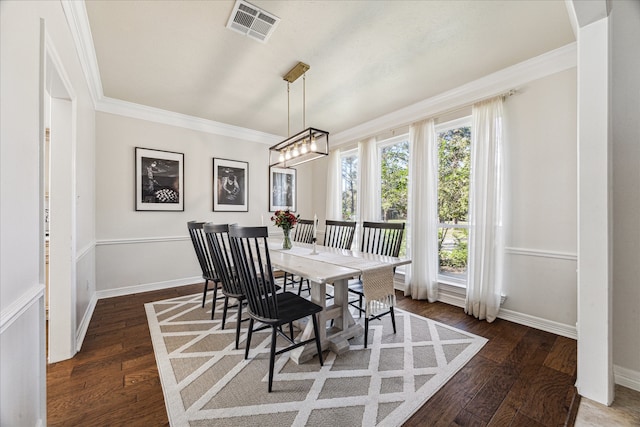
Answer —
(138, 240)
(541, 253)
(20, 305)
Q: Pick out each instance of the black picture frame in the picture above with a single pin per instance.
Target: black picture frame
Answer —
(159, 180)
(282, 189)
(230, 185)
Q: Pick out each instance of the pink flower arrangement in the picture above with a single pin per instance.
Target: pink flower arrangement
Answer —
(285, 219)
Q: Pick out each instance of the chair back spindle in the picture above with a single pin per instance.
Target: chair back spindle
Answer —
(339, 234)
(303, 231)
(217, 236)
(382, 238)
(253, 265)
(202, 252)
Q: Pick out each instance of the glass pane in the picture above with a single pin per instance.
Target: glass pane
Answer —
(454, 156)
(349, 187)
(394, 179)
(452, 251)
(394, 165)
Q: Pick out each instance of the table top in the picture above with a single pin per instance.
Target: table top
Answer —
(329, 264)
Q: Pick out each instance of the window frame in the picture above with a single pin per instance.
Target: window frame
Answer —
(448, 279)
(387, 142)
(352, 152)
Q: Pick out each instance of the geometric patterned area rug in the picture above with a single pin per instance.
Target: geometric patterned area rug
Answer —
(206, 382)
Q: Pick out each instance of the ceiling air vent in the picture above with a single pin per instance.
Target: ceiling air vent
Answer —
(252, 21)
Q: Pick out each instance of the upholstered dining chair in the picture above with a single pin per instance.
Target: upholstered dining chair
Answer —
(380, 238)
(252, 263)
(204, 259)
(217, 236)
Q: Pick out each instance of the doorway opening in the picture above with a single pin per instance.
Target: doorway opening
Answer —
(58, 207)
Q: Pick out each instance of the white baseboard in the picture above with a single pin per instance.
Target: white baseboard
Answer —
(84, 323)
(626, 377)
(128, 290)
(516, 317)
(539, 323)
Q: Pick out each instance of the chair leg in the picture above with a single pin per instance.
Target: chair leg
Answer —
(300, 285)
(366, 331)
(246, 350)
(360, 306)
(291, 330)
(393, 319)
(272, 357)
(316, 332)
(238, 322)
(215, 298)
(224, 311)
(204, 296)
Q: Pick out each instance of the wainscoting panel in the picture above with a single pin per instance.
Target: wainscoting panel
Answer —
(125, 265)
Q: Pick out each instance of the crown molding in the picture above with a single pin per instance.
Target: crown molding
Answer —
(494, 84)
(504, 80)
(157, 115)
(76, 14)
(78, 21)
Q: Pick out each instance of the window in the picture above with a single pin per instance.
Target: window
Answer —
(394, 180)
(454, 163)
(349, 164)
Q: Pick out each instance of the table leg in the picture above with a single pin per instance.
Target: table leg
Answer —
(344, 327)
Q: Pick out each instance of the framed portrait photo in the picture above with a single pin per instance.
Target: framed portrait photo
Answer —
(282, 189)
(230, 185)
(159, 180)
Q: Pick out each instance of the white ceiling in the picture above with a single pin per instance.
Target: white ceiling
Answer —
(367, 58)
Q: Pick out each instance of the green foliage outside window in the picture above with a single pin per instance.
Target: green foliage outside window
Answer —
(454, 156)
(349, 187)
(394, 181)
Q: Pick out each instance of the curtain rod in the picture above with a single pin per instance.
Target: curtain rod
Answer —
(503, 95)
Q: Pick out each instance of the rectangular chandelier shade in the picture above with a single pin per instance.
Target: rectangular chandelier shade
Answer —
(310, 144)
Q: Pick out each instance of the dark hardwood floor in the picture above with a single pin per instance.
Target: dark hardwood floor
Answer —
(522, 376)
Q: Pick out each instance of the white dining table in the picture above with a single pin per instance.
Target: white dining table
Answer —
(328, 266)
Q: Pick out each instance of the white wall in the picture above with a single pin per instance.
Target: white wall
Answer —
(540, 128)
(149, 250)
(540, 168)
(625, 17)
(22, 363)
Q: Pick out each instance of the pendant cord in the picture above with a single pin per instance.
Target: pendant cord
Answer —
(304, 101)
(288, 113)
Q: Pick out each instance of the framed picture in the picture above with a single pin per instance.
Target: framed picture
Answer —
(159, 180)
(282, 189)
(230, 185)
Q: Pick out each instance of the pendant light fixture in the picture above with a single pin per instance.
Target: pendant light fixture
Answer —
(310, 144)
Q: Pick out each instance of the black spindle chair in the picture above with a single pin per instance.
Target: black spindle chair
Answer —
(217, 236)
(303, 233)
(204, 259)
(253, 266)
(380, 238)
(339, 234)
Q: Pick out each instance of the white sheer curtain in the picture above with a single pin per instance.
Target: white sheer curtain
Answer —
(368, 180)
(486, 242)
(334, 186)
(421, 276)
